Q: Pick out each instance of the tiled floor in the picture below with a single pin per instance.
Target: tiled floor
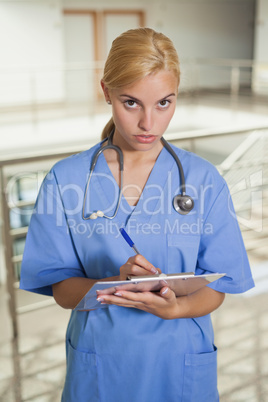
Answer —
(241, 332)
(42, 355)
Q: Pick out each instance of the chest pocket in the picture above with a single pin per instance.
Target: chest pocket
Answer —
(182, 253)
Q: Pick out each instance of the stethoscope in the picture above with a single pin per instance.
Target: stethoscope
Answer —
(182, 203)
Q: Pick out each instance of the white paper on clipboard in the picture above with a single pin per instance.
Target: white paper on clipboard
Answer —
(182, 284)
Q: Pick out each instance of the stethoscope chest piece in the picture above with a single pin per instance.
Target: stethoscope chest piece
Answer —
(183, 204)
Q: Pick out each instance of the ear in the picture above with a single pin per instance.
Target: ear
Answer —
(105, 91)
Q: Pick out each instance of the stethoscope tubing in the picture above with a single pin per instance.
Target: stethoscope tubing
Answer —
(181, 197)
(92, 167)
(175, 156)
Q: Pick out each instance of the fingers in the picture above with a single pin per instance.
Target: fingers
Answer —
(140, 261)
(166, 293)
(137, 266)
(127, 299)
(135, 299)
(162, 304)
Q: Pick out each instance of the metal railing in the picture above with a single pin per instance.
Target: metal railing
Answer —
(36, 91)
(246, 172)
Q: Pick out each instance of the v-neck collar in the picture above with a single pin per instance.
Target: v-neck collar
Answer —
(156, 181)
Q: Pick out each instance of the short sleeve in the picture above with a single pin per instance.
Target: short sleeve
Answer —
(49, 255)
(222, 248)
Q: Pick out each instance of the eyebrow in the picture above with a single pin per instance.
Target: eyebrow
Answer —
(138, 100)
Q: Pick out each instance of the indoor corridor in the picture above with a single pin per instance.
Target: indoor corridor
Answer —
(241, 323)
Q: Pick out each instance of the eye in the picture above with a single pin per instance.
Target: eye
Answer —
(130, 103)
(163, 104)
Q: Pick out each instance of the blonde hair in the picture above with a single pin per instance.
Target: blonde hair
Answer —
(135, 54)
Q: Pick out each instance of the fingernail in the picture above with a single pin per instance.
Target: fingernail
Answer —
(118, 294)
(165, 291)
(100, 299)
(154, 271)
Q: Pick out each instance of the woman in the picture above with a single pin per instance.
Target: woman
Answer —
(139, 346)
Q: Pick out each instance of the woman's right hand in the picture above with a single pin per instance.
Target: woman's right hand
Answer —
(137, 266)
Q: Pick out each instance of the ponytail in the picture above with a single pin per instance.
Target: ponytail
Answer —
(107, 129)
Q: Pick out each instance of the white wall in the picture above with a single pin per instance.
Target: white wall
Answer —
(31, 33)
(207, 29)
(260, 81)
(30, 39)
(199, 29)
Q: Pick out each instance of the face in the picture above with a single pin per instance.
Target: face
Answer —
(143, 110)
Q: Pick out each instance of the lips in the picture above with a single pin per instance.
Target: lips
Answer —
(146, 139)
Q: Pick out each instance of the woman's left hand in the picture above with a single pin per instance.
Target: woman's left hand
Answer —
(162, 304)
(165, 304)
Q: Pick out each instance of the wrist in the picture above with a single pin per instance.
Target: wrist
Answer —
(182, 307)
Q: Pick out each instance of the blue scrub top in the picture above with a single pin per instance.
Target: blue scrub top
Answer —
(123, 354)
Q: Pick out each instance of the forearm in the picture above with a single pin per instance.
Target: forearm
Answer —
(200, 303)
(69, 292)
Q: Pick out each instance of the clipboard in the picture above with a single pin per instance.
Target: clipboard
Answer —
(182, 284)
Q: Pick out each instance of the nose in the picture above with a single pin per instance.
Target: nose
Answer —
(146, 120)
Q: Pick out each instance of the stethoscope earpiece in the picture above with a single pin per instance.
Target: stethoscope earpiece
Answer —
(183, 204)
(95, 215)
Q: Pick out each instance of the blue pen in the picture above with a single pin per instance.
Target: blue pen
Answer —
(128, 240)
